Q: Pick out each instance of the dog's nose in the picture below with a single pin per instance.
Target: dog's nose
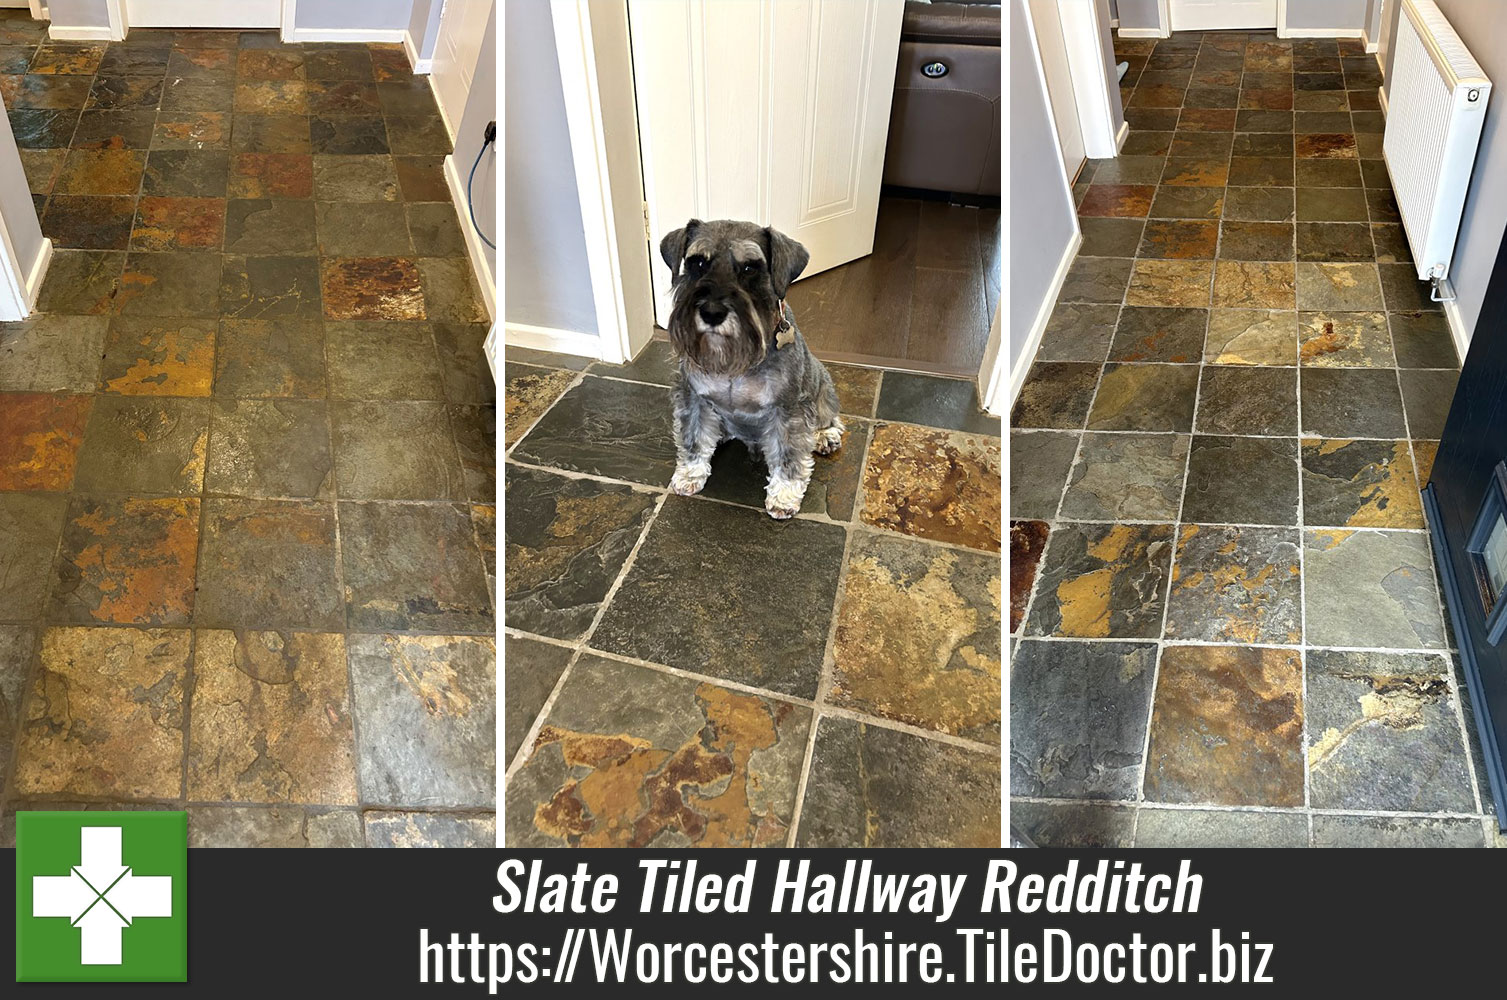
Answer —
(712, 314)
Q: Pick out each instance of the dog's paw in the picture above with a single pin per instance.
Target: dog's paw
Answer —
(783, 498)
(688, 482)
(829, 439)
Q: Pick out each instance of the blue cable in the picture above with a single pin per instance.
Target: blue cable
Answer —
(470, 205)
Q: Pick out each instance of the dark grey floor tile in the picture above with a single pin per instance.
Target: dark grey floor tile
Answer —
(1078, 716)
(1396, 831)
(1039, 465)
(1384, 734)
(51, 353)
(1422, 340)
(1127, 476)
(270, 448)
(1351, 402)
(1073, 824)
(1247, 400)
(1370, 588)
(428, 711)
(533, 669)
(1153, 333)
(1184, 828)
(1426, 396)
(648, 618)
(145, 445)
(1056, 395)
(413, 567)
(1096, 279)
(567, 540)
(1145, 398)
(1242, 480)
(30, 526)
(621, 430)
(936, 402)
(932, 794)
(1078, 332)
(268, 564)
(395, 450)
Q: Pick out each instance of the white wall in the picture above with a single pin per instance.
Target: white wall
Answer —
(1138, 14)
(18, 218)
(481, 108)
(78, 13)
(1340, 15)
(547, 276)
(424, 26)
(380, 14)
(1043, 222)
(1479, 25)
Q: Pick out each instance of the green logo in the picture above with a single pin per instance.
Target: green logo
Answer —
(101, 897)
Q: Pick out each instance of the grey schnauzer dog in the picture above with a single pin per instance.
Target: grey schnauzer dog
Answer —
(745, 370)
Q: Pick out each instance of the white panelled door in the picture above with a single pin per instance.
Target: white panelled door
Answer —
(1220, 15)
(463, 28)
(204, 13)
(771, 110)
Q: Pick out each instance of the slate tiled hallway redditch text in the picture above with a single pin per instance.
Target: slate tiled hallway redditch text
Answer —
(246, 455)
(687, 671)
(1226, 623)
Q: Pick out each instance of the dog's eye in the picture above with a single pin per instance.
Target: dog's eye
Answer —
(752, 267)
(695, 264)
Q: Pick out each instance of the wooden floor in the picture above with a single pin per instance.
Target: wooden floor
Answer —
(921, 301)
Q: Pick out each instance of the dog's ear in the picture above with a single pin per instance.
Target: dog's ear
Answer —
(672, 247)
(787, 259)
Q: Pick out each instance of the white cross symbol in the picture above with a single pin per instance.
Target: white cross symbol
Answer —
(100, 896)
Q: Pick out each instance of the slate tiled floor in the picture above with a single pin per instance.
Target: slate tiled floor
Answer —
(1226, 624)
(246, 448)
(685, 670)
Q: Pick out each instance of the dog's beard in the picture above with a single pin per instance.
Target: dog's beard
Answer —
(733, 346)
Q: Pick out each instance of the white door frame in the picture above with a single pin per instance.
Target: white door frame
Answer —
(596, 71)
(115, 10)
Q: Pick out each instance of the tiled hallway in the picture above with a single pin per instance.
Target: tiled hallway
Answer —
(685, 670)
(1226, 623)
(246, 448)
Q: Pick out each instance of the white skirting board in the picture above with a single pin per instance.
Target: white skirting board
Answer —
(1122, 136)
(1457, 331)
(421, 67)
(38, 274)
(1143, 33)
(1038, 328)
(345, 35)
(475, 249)
(1320, 32)
(86, 33)
(543, 338)
(1382, 97)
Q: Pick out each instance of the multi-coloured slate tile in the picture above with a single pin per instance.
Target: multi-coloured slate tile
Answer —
(451, 294)
(269, 226)
(270, 447)
(1344, 340)
(1145, 398)
(1153, 333)
(192, 130)
(105, 716)
(1384, 734)
(463, 362)
(1240, 284)
(939, 485)
(1395, 831)
(371, 288)
(145, 445)
(1039, 466)
(270, 288)
(30, 524)
(1233, 584)
(604, 427)
(1103, 581)
(1243, 828)
(40, 436)
(270, 358)
(89, 222)
(1055, 394)
(273, 826)
(145, 356)
(129, 561)
(567, 540)
(917, 636)
(475, 430)
(413, 567)
(271, 175)
(382, 361)
(1078, 715)
(81, 282)
(1227, 727)
(1127, 477)
(269, 564)
(1371, 588)
(533, 669)
(776, 580)
(428, 710)
(1251, 337)
(46, 353)
(408, 829)
(1348, 402)
(529, 392)
(271, 719)
(1360, 484)
(876, 787)
(395, 450)
(1028, 540)
(169, 284)
(1248, 400)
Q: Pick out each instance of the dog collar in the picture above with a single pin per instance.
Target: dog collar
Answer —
(784, 333)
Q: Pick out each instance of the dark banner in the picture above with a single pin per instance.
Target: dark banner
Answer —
(483, 922)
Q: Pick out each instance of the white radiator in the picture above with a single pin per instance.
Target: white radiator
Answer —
(1435, 109)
